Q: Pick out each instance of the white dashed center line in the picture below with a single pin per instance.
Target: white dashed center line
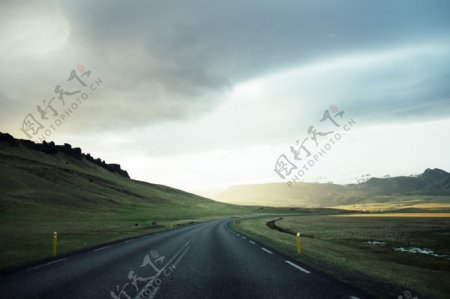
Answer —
(54, 262)
(101, 248)
(268, 251)
(298, 267)
(252, 242)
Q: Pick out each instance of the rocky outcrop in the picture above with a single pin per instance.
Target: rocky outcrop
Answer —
(51, 148)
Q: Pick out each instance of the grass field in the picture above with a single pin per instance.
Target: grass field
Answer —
(397, 215)
(425, 203)
(339, 246)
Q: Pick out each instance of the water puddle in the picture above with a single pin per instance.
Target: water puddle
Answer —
(419, 250)
(376, 243)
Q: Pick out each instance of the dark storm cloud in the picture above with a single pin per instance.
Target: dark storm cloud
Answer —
(172, 60)
(193, 50)
(236, 40)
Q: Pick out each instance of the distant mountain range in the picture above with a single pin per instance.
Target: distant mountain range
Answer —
(431, 183)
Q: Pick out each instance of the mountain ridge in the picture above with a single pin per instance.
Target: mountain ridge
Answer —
(431, 183)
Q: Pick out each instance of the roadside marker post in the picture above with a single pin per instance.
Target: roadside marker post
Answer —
(55, 239)
(299, 244)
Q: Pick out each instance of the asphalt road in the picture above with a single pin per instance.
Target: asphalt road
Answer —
(205, 260)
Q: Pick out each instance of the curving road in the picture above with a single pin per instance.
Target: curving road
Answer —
(205, 260)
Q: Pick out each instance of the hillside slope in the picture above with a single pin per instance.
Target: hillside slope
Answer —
(36, 179)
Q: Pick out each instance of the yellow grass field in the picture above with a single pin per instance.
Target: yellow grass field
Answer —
(379, 207)
(414, 215)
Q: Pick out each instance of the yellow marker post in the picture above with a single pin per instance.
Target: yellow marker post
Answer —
(299, 244)
(55, 239)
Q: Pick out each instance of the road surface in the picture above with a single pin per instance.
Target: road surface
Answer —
(205, 260)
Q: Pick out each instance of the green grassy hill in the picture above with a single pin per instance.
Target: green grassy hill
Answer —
(46, 188)
(31, 179)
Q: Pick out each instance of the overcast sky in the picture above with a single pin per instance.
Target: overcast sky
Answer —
(207, 94)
